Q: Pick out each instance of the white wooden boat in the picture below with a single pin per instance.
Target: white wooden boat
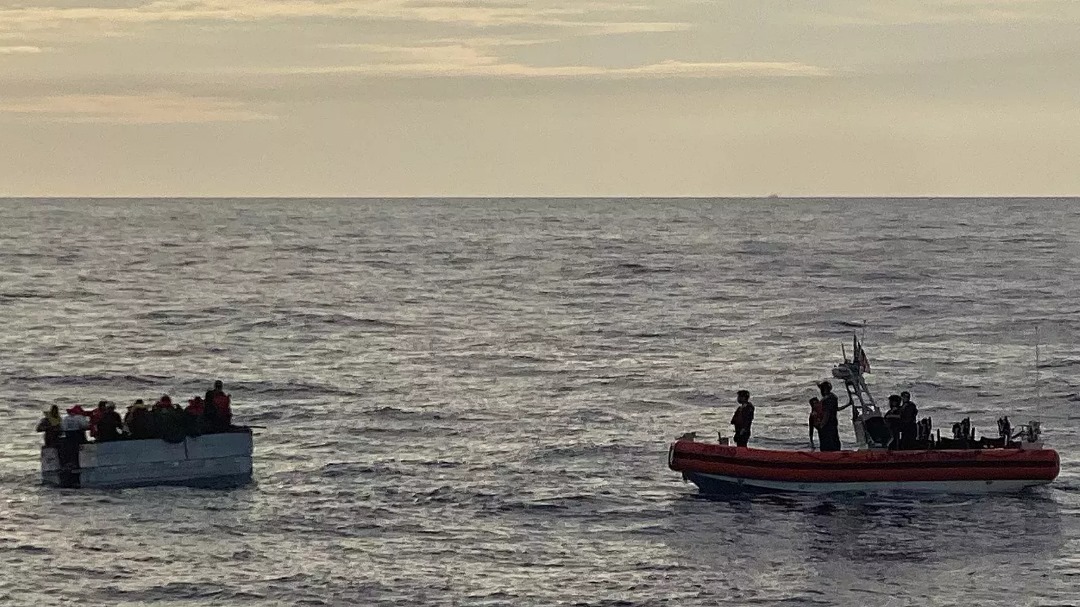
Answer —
(208, 460)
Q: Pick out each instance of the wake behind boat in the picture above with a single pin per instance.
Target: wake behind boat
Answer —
(1011, 462)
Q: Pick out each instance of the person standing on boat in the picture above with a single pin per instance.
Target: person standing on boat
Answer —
(909, 426)
(815, 419)
(50, 425)
(217, 416)
(892, 420)
(829, 432)
(743, 418)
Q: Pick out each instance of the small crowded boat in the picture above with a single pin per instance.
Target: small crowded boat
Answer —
(160, 445)
(1013, 461)
(209, 460)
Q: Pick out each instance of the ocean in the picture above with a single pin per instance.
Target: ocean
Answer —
(469, 402)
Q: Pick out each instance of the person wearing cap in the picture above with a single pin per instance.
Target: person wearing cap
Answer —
(829, 432)
(74, 425)
(50, 425)
(743, 418)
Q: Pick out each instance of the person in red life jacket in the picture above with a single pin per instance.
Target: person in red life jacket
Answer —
(816, 415)
(217, 415)
(743, 418)
(195, 407)
(96, 416)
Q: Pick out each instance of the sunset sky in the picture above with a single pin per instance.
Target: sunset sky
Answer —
(539, 98)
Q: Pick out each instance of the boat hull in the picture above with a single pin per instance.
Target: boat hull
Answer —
(721, 469)
(213, 460)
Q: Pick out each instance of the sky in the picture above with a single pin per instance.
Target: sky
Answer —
(539, 98)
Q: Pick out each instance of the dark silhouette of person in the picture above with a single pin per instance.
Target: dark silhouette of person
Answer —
(892, 420)
(909, 426)
(217, 416)
(829, 434)
(110, 426)
(814, 422)
(743, 418)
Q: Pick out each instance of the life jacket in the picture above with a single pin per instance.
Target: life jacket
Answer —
(195, 407)
(95, 419)
(221, 405)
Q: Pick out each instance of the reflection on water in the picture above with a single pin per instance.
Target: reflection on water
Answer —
(868, 549)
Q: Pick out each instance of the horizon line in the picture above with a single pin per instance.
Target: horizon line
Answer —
(555, 197)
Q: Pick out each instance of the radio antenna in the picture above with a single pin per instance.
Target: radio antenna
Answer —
(1038, 384)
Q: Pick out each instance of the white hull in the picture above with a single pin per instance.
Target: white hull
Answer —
(714, 483)
(208, 459)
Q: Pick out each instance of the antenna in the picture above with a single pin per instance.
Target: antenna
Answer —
(1038, 384)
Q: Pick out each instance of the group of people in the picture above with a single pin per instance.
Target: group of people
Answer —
(824, 419)
(164, 420)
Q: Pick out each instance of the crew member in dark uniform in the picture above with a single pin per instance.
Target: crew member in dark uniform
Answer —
(909, 427)
(743, 418)
(829, 434)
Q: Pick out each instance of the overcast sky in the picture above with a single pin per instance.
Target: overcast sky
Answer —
(542, 98)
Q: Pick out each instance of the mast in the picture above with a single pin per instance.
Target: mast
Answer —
(863, 406)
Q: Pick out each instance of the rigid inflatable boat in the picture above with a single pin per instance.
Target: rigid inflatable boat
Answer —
(1011, 462)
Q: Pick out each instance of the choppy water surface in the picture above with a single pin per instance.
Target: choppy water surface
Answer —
(469, 402)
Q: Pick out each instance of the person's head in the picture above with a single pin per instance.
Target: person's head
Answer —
(815, 400)
(905, 396)
(102, 404)
(54, 410)
(894, 401)
(218, 385)
(825, 387)
(111, 406)
(742, 396)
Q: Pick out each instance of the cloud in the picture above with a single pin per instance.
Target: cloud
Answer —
(945, 12)
(480, 57)
(21, 50)
(150, 108)
(475, 14)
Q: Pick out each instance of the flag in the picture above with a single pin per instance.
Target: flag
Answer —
(860, 357)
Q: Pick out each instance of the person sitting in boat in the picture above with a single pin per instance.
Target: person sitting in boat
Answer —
(892, 418)
(163, 403)
(909, 426)
(217, 416)
(743, 418)
(829, 432)
(815, 419)
(110, 427)
(138, 421)
(50, 425)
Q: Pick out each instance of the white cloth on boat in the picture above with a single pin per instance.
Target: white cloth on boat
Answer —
(74, 423)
